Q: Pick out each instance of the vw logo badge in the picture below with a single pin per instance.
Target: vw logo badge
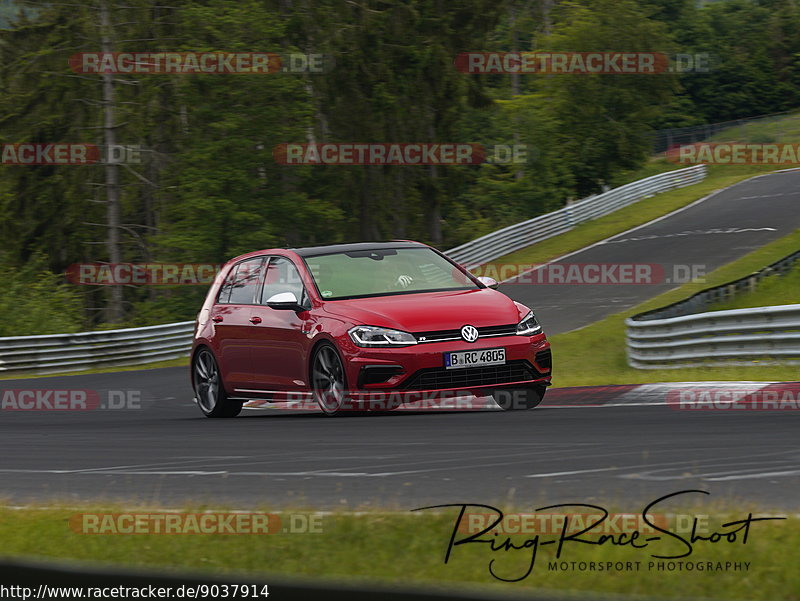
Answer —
(469, 333)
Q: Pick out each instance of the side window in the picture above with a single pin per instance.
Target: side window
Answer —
(241, 285)
(282, 276)
(225, 290)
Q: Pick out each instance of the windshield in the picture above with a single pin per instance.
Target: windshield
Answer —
(385, 271)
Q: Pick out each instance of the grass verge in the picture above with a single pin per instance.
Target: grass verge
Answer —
(596, 354)
(408, 548)
(780, 128)
(774, 290)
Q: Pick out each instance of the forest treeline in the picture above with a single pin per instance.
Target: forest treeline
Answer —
(207, 186)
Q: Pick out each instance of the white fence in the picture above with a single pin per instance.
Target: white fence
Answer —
(59, 353)
(520, 235)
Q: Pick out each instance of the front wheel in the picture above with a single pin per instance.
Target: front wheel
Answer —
(209, 390)
(328, 381)
(519, 398)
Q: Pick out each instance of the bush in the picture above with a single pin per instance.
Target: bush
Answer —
(36, 301)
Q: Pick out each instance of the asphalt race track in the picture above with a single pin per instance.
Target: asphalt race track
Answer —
(709, 234)
(166, 453)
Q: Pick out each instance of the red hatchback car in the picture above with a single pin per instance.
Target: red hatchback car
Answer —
(351, 323)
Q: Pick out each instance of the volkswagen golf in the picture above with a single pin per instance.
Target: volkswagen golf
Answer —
(346, 324)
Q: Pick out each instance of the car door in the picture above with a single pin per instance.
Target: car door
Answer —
(279, 335)
(231, 317)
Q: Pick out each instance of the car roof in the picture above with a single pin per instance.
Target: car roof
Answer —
(310, 251)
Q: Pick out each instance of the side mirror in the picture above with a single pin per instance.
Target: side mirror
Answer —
(284, 301)
(488, 282)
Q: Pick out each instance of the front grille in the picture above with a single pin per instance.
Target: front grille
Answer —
(544, 359)
(438, 377)
(485, 332)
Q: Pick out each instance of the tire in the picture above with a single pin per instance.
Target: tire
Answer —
(519, 398)
(209, 389)
(328, 381)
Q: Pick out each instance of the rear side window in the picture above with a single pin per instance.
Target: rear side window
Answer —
(241, 284)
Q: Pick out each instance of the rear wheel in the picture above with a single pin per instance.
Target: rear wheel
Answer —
(209, 390)
(519, 398)
(328, 381)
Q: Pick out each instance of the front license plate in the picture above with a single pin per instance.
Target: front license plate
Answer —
(487, 356)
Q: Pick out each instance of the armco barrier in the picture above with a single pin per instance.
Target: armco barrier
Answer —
(58, 353)
(683, 334)
(520, 235)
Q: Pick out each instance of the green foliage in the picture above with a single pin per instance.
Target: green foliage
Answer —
(34, 300)
(209, 188)
(603, 119)
(754, 55)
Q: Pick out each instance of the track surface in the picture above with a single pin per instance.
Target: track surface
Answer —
(166, 453)
(726, 226)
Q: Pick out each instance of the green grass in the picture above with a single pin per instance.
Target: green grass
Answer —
(774, 290)
(782, 128)
(407, 549)
(596, 354)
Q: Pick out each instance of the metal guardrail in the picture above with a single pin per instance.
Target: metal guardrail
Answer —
(59, 353)
(683, 334)
(737, 337)
(520, 235)
(56, 353)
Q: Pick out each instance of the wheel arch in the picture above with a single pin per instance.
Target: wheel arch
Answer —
(200, 346)
(321, 340)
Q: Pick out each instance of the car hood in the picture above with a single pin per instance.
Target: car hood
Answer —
(430, 311)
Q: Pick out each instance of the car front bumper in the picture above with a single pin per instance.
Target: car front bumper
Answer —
(418, 371)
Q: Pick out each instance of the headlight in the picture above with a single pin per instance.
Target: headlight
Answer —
(375, 336)
(528, 326)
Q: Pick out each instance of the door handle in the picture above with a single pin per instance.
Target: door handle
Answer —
(255, 319)
(216, 318)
